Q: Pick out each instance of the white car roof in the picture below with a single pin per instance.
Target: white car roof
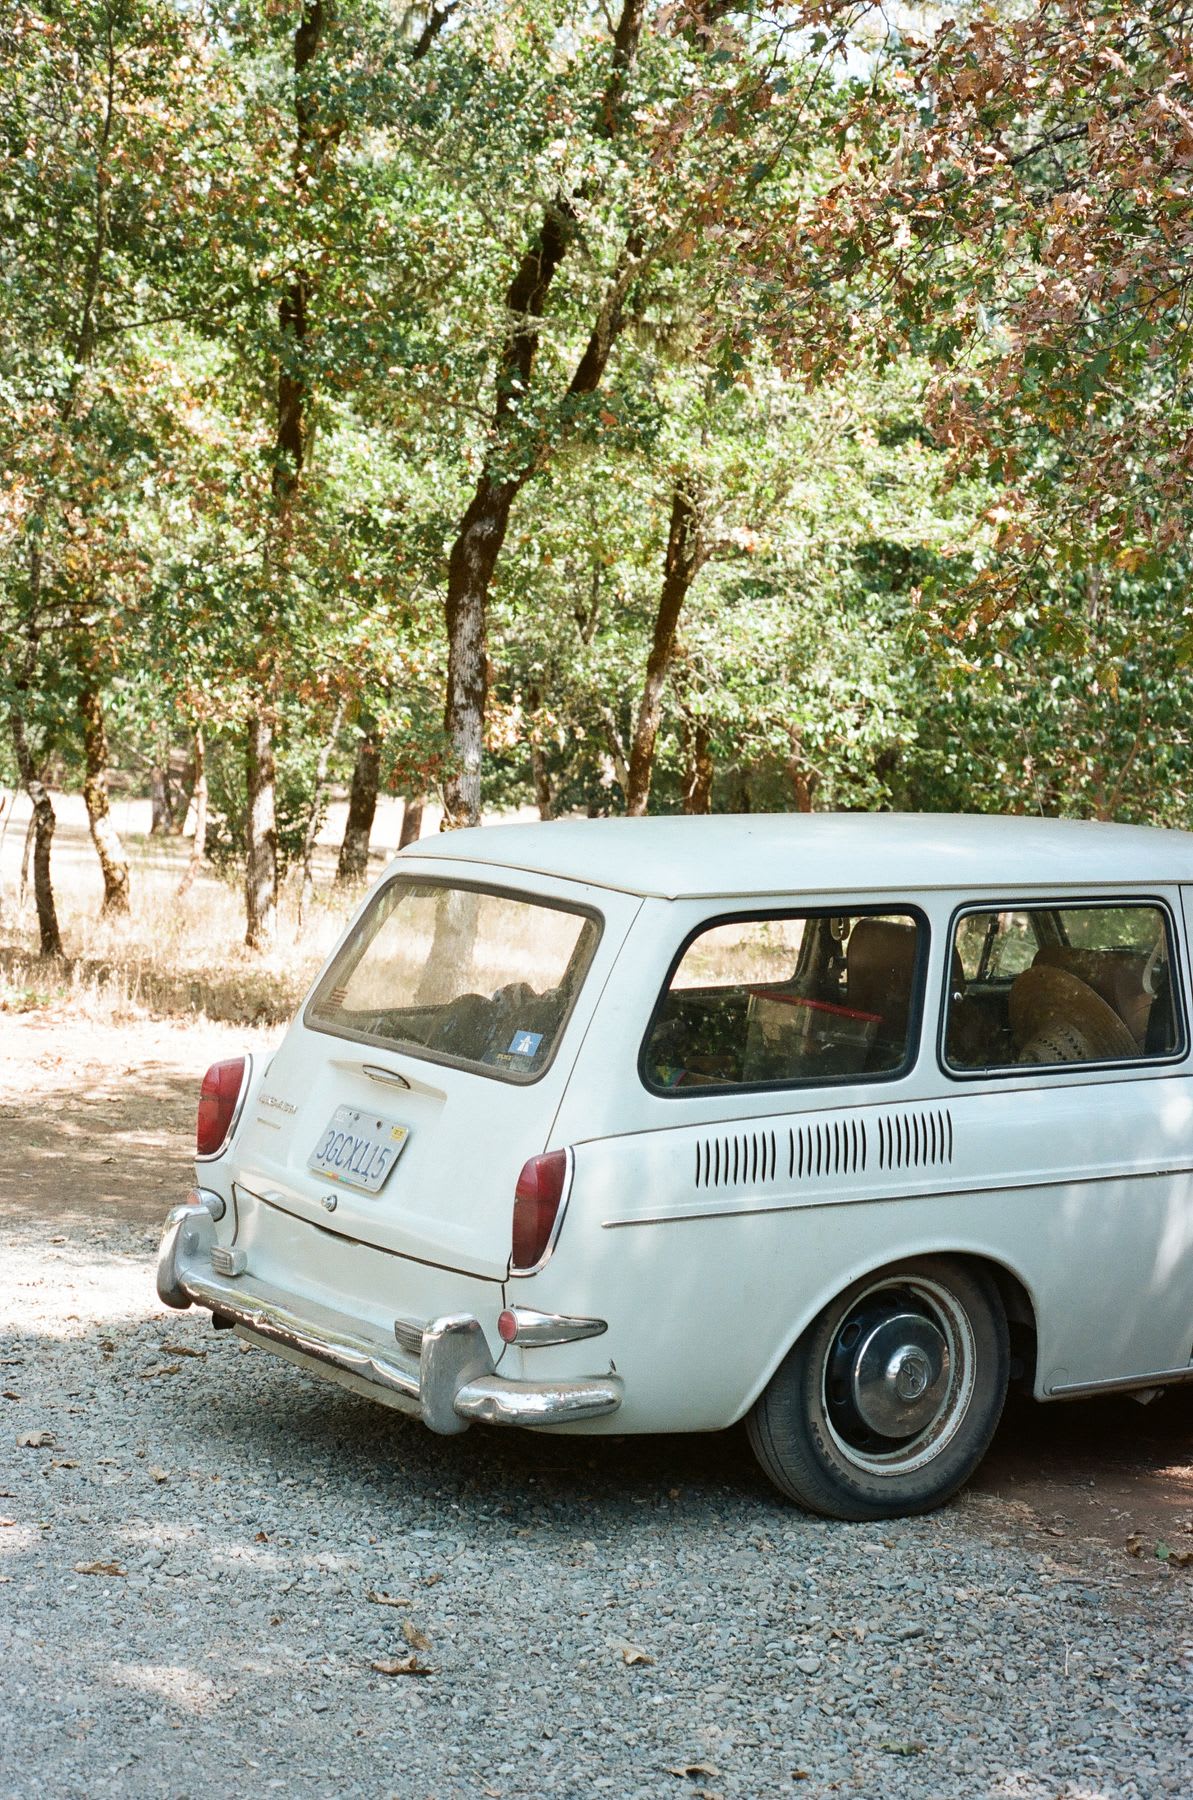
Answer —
(730, 855)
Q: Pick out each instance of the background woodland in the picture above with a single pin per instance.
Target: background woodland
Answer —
(685, 406)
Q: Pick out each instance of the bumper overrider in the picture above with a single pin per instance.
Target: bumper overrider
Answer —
(449, 1383)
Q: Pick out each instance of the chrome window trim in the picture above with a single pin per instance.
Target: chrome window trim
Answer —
(579, 909)
(868, 910)
(1069, 903)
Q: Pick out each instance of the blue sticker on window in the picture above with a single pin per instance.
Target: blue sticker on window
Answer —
(525, 1043)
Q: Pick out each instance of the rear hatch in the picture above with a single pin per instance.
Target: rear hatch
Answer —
(429, 1062)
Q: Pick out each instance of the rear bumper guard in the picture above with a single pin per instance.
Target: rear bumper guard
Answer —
(449, 1385)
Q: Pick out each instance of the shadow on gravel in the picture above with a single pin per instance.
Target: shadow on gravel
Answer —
(535, 1480)
(1092, 1473)
(69, 1157)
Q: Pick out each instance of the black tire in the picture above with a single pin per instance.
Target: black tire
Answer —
(841, 1428)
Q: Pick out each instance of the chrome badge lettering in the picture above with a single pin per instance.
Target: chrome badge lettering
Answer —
(278, 1104)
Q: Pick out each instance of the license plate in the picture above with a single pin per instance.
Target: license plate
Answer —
(358, 1149)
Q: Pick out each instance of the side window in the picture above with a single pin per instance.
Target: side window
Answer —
(784, 1000)
(1061, 985)
(994, 946)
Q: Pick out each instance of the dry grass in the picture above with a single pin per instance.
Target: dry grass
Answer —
(168, 958)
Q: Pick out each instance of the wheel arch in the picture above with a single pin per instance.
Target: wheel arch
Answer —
(1014, 1292)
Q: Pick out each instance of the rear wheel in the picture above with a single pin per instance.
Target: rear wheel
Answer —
(888, 1402)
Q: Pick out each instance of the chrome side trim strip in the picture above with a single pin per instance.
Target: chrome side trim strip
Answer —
(1121, 1384)
(815, 1201)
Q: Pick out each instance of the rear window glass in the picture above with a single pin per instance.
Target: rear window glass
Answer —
(459, 974)
(786, 1000)
(1061, 985)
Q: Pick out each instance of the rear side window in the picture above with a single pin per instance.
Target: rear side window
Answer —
(459, 974)
(782, 1000)
(1062, 985)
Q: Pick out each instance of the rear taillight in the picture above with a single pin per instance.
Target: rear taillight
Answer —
(537, 1199)
(218, 1100)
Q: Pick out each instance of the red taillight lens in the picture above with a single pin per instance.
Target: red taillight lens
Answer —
(536, 1205)
(217, 1105)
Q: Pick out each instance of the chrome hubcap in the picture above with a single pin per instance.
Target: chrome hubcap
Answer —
(898, 1375)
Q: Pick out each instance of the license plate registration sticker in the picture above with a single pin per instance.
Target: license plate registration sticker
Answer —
(358, 1149)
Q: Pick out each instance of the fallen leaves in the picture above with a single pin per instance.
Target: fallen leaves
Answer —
(631, 1654)
(1137, 1545)
(99, 1568)
(160, 1475)
(35, 1440)
(414, 1637)
(11, 1394)
(161, 1369)
(181, 1350)
(694, 1771)
(387, 1599)
(402, 1665)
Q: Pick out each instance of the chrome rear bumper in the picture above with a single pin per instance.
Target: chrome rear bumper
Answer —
(448, 1385)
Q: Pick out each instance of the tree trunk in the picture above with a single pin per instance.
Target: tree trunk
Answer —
(261, 836)
(161, 816)
(362, 808)
(482, 528)
(108, 848)
(544, 799)
(26, 857)
(469, 576)
(314, 139)
(312, 831)
(685, 556)
(804, 781)
(43, 836)
(199, 796)
(701, 769)
(412, 821)
(540, 775)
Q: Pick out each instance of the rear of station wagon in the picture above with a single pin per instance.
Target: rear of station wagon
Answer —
(834, 1123)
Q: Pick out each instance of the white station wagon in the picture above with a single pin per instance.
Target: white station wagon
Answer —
(834, 1123)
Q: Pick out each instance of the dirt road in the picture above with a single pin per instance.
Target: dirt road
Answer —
(96, 1122)
(197, 1565)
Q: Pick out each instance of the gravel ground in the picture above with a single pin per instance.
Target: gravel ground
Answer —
(190, 1567)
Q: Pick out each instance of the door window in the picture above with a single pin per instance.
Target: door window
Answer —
(1062, 985)
(784, 1000)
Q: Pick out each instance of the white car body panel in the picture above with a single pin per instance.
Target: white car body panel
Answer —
(709, 1228)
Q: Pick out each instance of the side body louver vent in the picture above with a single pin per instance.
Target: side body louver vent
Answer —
(824, 1148)
(915, 1140)
(742, 1159)
(750, 1159)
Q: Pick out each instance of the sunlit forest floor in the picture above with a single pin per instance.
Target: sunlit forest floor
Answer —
(169, 957)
